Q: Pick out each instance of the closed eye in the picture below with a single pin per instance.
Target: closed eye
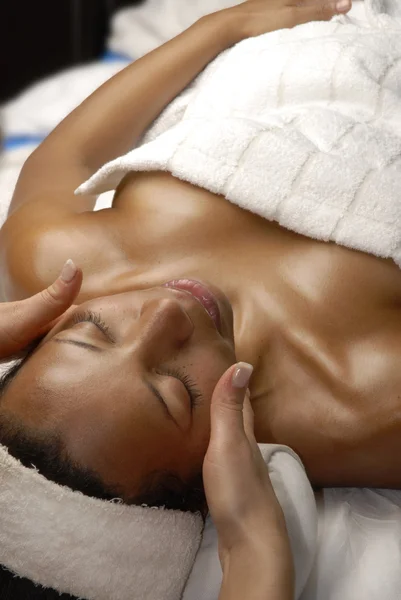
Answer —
(190, 386)
(86, 317)
(160, 398)
(90, 317)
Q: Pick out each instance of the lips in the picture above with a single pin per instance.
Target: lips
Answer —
(201, 293)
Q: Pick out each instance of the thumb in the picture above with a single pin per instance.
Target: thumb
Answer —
(228, 402)
(23, 321)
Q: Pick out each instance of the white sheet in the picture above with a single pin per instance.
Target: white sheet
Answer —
(359, 554)
(38, 110)
(42, 106)
(359, 546)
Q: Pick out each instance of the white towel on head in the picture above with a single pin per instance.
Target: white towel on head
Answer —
(300, 126)
(101, 550)
(91, 548)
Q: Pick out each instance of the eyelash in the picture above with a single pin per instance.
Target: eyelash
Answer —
(91, 317)
(193, 392)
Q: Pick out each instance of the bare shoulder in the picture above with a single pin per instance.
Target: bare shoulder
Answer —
(338, 405)
(35, 244)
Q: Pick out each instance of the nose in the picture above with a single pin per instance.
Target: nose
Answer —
(164, 327)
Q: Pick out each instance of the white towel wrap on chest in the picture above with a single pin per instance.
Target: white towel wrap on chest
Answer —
(301, 126)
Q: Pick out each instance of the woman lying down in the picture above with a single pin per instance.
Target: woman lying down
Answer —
(178, 285)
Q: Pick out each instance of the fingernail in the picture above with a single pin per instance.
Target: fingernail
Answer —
(69, 271)
(242, 375)
(343, 5)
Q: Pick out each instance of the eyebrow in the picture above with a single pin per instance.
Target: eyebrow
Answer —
(77, 343)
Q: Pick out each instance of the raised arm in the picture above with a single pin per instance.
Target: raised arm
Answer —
(107, 125)
(47, 223)
(110, 121)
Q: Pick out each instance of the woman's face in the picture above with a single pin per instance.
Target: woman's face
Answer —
(126, 382)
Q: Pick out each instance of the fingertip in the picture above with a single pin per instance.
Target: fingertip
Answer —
(343, 6)
(241, 375)
(232, 389)
(68, 284)
(233, 384)
(69, 271)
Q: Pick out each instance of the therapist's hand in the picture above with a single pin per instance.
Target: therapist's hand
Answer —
(254, 548)
(23, 321)
(240, 496)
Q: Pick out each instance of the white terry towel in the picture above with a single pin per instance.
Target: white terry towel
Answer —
(102, 550)
(93, 549)
(300, 126)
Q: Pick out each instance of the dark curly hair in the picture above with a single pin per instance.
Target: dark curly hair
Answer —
(48, 455)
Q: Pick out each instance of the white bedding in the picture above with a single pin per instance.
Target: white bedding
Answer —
(359, 546)
(359, 555)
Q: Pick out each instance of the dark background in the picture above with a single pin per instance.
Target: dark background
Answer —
(39, 37)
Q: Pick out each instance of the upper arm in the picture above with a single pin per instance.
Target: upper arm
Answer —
(34, 245)
(49, 177)
(46, 224)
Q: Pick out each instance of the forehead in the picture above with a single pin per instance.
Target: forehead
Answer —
(105, 423)
(61, 383)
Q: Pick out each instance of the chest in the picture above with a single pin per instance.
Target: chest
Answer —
(319, 322)
(161, 220)
(296, 300)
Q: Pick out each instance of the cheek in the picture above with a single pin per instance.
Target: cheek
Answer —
(206, 372)
(209, 368)
(124, 446)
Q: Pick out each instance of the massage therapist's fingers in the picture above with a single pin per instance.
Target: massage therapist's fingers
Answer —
(238, 489)
(321, 10)
(249, 417)
(229, 450)
(227, 419)
(23, 321)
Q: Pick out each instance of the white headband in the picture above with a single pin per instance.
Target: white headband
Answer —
(91, 548)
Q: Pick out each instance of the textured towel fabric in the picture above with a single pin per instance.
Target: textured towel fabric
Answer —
(107, 551)
(91, 548)
(300, 126)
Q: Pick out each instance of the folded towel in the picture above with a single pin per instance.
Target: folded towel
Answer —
(300, 126)
(91, 548)
(103, 550)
